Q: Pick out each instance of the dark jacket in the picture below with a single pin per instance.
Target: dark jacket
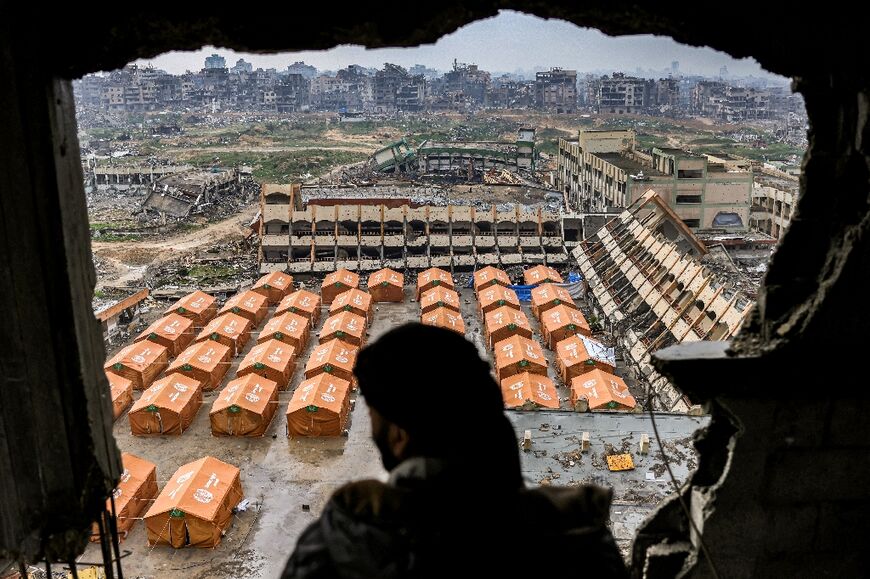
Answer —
(428, 522)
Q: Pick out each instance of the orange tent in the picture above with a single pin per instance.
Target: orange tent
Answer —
(140, 362)
(516, 355)
(505, 322)
(245, 407)
(121, 390)
(549, 295)
(198, 306)
(437, 297)
(250, 305)
(561, 322)
(173, 331)
(354, 301)
(289, 328)
(602, 391)
(137, 487)
(387, 285)
(338, 282)
(320, 407)
(541, 274)
(303, 303)
(273, 360)
(529, 391)
(496, 296)
(274, 286)
(335, 358)
(444, 318)
(433, 277)
(196, 506)
(206, 362)
(231, 330)
(576, 355)
(488, 276)
(168, 407)
(346, 326)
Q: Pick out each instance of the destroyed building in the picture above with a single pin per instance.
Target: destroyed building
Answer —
(604, 169)
(373, 231)
(556, 90)
(180, 194)
(774, 195)
(646, 278)
(122, 177)
(477, 157)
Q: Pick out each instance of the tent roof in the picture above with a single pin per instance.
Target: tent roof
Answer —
(197, 302)
(547, 292)
(386, 275)
(434, 274)
(579, 348)
(272, 353)
(171, 392)
(287, 323)
(497, 293)
(601, 388)
(355, 298)
(335, 353)
(251, 392)
(444, 318)
(505, 316)
(540, 273)
(138, 355)
(562, 316)
(520, 388)
(249, 301)
(228, 324)
(197, 488)
(488, 274)
(276, 279)
(323, 391)
(302, 300)
(343, 276)
(170, 326)
(439, 294)
(517, 348)
(347, 322)
(136, 471)
(205, 355)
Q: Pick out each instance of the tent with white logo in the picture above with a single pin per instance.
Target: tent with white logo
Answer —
(196, 506)
(245, 407)
(320, 407)
(167, 407)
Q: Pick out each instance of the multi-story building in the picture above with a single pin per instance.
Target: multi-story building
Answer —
(621, 94)
(384, 229)
(603, 169)
(215, 61)
(556, 90)
(469, 157)
(774, 195)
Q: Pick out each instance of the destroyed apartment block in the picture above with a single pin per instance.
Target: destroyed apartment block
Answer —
(398, 157)
(646, 278)
(476, 158)
(367, 234)
(181, 194)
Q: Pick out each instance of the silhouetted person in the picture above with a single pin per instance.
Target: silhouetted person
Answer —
(455, 505)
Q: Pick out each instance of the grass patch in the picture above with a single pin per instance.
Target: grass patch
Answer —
(281, 167)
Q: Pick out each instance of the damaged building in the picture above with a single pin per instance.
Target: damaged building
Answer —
(121, 177)
(645, 275)
(476, 157)
(370, 232)
(605, 169)
(181, 194)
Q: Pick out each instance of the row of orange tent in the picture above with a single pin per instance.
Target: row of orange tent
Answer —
(439, 301)
(384, 285)
(195, 508)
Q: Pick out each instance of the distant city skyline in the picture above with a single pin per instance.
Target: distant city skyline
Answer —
(510, 42)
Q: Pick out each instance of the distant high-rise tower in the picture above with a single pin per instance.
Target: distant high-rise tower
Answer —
(215, 61)
(675, 67)
(723, 72)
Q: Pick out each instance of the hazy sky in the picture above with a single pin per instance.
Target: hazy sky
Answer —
(505, 43)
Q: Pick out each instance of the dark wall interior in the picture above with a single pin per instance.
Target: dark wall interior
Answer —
(782, 485)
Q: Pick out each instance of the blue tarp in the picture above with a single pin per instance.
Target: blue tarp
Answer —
(524, 292)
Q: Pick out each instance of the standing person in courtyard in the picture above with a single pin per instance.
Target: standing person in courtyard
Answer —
(455, 503)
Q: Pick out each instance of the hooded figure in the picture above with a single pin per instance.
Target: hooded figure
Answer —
(450, 507)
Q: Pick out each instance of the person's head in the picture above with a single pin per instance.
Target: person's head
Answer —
(430, 394)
